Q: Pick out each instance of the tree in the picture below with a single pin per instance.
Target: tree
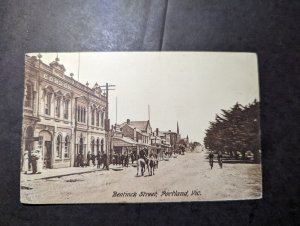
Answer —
(236, 130)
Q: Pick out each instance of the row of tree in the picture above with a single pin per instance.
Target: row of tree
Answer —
(236, 130)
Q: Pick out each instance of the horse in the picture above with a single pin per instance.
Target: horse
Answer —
(152, 165)
(141, 163)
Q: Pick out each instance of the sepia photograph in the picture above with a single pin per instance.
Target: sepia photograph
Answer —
(138, 127)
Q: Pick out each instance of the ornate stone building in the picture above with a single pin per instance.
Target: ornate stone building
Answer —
(61, 116)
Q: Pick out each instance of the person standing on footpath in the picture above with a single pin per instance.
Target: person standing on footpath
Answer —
(104, 157)
(25, 161)
(80, 162)
(33, 160)
(220, 160)
(88, 159)
(211, 159)
(93, 157)
(98, 160)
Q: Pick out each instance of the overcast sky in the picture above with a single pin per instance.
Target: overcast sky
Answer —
(188, 87)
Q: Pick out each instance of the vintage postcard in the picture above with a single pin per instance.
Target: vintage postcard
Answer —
(135, 127)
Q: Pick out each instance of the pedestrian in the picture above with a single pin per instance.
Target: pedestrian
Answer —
(81, 159)
(220, 160)
(98, 159)
(122, 159)
(39, 161)
(33, 160)
(126, 160)
(93, 158)
(88, 158)
(104, 157)
(211, 159)
(119, 158)
(25, 161)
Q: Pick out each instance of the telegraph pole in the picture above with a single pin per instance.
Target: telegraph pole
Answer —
(149, 112)
(108, 139)
(116, 110)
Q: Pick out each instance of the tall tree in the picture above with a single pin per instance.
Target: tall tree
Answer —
(236, 130)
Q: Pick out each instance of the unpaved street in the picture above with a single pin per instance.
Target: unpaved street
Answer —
(185, 178)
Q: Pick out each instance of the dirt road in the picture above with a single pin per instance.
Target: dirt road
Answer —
(185, 178)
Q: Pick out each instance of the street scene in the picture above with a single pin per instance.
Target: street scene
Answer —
(145, 134)
(171, 175)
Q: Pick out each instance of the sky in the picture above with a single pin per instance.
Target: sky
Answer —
(185, 87)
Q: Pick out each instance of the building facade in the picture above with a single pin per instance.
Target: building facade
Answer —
(61, 116)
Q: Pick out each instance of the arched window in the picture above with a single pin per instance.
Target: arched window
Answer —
(92, 145)
(48, 103)
(81, 114)
(58, 147)
(84, 115)
(66, 109)
(28, 96)
(57, 109)
(93, 116)
(67, 147)
(102, 119)
(78, 113)
(97, 118)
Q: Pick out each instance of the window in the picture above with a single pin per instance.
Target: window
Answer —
(102, 143)
(28, 96)
(58, 147)
(93, 116)
(93, 146)
(78, 113)
(66, 109)
(67, 147)
(102, 119)
(84, 115)
(98, 144)
(48, 104)
(57, 109)
(81, 114)
(97, 118)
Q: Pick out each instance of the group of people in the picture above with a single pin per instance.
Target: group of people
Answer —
(211, 159)
(122, 159)
(101, 158)
(32, 161)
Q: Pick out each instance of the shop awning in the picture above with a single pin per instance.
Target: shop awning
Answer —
(124, 142)
(145, 145)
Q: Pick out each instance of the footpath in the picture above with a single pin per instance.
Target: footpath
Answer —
(60, 172)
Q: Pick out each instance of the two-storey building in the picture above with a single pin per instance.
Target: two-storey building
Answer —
(61, 116)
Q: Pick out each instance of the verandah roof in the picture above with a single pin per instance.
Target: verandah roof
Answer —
(124, 142)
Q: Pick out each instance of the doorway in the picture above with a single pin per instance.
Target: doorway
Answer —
(46, 148)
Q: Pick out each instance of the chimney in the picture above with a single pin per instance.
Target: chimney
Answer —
(156, 131)
(128, 121)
